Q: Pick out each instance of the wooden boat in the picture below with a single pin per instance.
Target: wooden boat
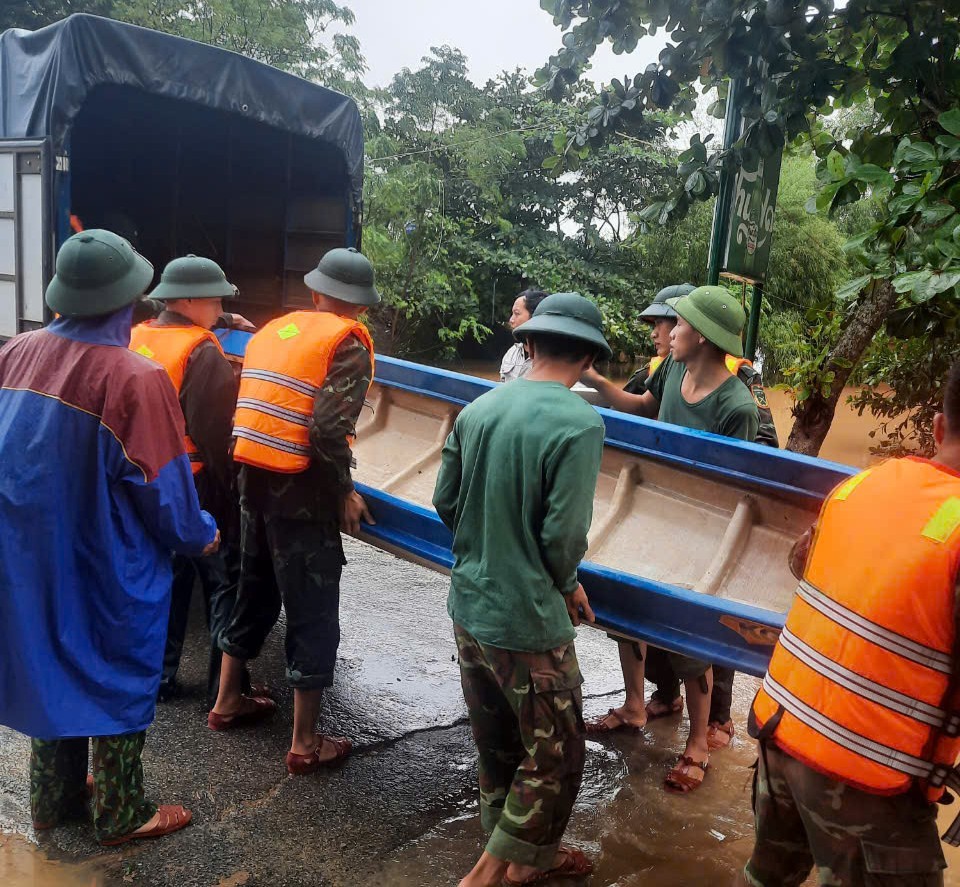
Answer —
(691, 531)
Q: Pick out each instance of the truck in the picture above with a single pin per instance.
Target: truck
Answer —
(180, 146)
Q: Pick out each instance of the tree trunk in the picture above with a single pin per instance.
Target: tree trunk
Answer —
(813, 417)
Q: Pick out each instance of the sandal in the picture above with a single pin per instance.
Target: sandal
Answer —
(172, 818)
(301, 765)
(258, 708)
(262, 690)
(719, 736)
(574, 864)
(599, 726)
(674, 708)
(679, 778)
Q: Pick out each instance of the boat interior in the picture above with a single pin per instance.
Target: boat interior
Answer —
(651, 519)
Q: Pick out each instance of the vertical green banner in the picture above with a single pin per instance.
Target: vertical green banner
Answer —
(750, 232)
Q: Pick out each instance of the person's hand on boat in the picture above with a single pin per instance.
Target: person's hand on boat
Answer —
(353, 509)
(213, 546)
(578, 606)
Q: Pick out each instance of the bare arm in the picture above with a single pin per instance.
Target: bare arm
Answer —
(799, 553)
(645, 404)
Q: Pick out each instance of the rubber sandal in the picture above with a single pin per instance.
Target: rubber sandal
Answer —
(600, 727)
(262, 708)
(302, 765)
(173, 817)
(574, 865)
(679, 780)
(72, 814)
(263, 690)
(719, 736)
(675, 708)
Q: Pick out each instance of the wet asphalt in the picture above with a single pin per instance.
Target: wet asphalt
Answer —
(397, 696)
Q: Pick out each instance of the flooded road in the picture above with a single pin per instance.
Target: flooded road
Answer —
(402, 812)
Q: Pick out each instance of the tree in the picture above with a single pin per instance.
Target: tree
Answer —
(797, 63)
(461, 214)
(294, 35)
(34, 14)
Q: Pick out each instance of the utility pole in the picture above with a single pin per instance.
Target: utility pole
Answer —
(732, 126)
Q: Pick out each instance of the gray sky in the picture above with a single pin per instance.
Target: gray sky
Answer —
(494, 35)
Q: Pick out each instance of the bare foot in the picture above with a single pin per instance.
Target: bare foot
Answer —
(657, 708)
(149, 824)
(618, 719)
(569, 861)
(327, 753)
(241, 705)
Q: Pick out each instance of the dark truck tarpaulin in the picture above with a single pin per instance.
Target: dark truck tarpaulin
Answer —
(47, 75)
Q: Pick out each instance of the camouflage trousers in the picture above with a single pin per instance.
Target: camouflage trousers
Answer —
(527, 720)
(297, 564)
(58, 776)
(805, 820)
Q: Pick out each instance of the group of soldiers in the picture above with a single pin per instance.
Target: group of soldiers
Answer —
(122, 443)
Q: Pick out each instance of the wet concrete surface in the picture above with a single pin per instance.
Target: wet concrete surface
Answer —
(402, 811)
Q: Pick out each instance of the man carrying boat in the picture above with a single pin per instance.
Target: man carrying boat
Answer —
(662, 319)
(666, 699)
(304, 379)
(858, 716)
(692, 387)
(516, 486)
(95, 491)
(191, 291)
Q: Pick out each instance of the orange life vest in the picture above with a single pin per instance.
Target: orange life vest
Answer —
(733, 364)
(861, 685)
(171, 347)
(286, 363)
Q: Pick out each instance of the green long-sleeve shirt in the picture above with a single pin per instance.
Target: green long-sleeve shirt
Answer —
(516, 488)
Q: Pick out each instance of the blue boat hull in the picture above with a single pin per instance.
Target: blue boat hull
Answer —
(705, 626)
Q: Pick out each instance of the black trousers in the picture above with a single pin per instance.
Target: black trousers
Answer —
(660, 672)
(219, 576)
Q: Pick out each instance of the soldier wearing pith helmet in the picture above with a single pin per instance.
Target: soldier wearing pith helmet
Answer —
(304, 379)
(192, 291)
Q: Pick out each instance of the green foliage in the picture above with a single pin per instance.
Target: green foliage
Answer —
(34, 14)
(903, 387)
(892, 70)
(461, 213)
(294, 35)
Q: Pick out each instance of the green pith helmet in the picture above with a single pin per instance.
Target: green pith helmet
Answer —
(193, 277)
(567, 314)
(716, 315)
(98, 272)
(344, 274)
(659, 309)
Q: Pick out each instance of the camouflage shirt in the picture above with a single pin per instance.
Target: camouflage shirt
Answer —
(315, 494)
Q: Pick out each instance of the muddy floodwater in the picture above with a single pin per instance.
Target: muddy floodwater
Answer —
(402, 812)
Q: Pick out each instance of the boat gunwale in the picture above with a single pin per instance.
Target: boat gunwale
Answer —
(409, 527)
(750, 464)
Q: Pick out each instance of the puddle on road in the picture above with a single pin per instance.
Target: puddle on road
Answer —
(635, 832)
(23, 864)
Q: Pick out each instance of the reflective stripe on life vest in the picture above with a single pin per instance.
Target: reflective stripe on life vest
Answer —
(273, 410)
(862, 685)
(870, 631)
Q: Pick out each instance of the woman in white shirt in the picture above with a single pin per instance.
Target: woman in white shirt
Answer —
(515, 362)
